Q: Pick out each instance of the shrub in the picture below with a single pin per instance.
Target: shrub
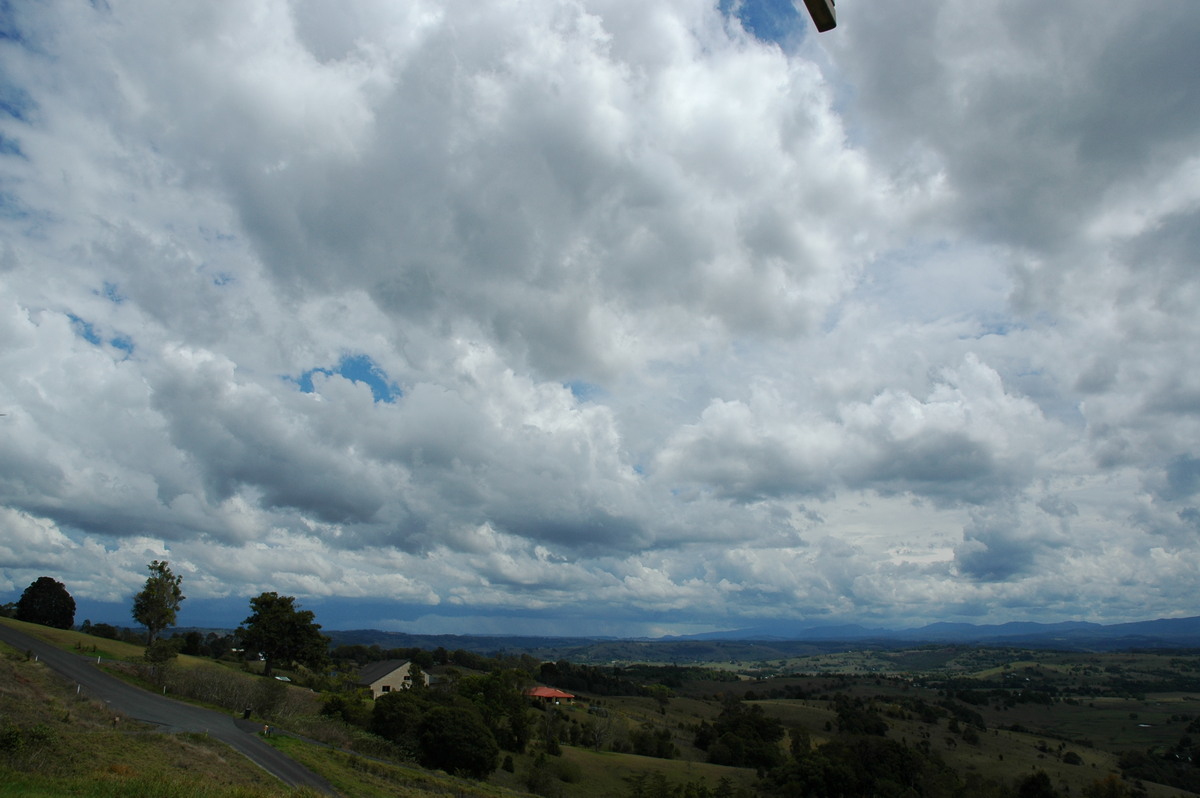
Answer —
(12, 739)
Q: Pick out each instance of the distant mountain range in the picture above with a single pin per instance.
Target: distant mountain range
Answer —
(1164, 632)
(796, 639)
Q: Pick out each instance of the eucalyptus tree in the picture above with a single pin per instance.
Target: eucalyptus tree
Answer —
(156, 606)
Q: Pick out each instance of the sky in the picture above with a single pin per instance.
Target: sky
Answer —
(603, 317)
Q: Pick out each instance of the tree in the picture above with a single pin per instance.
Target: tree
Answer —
(48, 603)
(455, 739)
(282, 633)
(499, 697)
(193, 644)
(396, 716)
(156, 606)
(106, 630)
(742, 736)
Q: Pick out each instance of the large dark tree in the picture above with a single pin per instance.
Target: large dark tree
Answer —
(156, 606)
(499, 697)
(282, 633)
(47, 602)
(397, 716)
(456, 740)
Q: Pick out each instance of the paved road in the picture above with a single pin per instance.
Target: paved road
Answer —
(171, 715)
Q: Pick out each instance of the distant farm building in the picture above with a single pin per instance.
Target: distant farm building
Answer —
(389, 676)
(548, 695)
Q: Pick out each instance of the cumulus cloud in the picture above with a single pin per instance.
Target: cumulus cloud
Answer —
(967, 440)
(651, 319)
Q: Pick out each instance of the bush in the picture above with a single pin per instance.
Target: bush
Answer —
(544, 776)
(1036, 785)
(349, 708)
(15, 741)
(161, 652)
(12, 739)
(568, 771)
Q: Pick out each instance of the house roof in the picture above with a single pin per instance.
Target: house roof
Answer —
(547, 692)
(374, 671)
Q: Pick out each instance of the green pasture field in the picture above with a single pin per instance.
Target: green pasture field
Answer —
(1114, 724)
(605, 774)
(78, 641)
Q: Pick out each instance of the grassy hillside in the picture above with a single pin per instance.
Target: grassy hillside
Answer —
(52, 743)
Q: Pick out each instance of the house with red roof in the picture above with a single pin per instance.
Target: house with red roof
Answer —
(549, 695)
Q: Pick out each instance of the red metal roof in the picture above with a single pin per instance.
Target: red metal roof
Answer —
(547, 692)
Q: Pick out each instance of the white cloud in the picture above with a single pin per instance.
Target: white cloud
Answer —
(678, 328)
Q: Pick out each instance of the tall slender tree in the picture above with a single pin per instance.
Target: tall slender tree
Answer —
(46, 601)
(158, 603)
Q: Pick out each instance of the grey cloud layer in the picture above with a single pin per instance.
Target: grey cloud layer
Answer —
(892, 325)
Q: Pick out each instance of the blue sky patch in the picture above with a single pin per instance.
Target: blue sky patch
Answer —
(11, 207)
(583, 391)
(356, 368)
(10, 146)
(9, 32)
(775, 21)
(15, 102)
(217, 236)
(112, 293)
(84, 329)
(87, 331)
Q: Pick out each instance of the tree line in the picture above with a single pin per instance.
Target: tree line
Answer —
(277, 631)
